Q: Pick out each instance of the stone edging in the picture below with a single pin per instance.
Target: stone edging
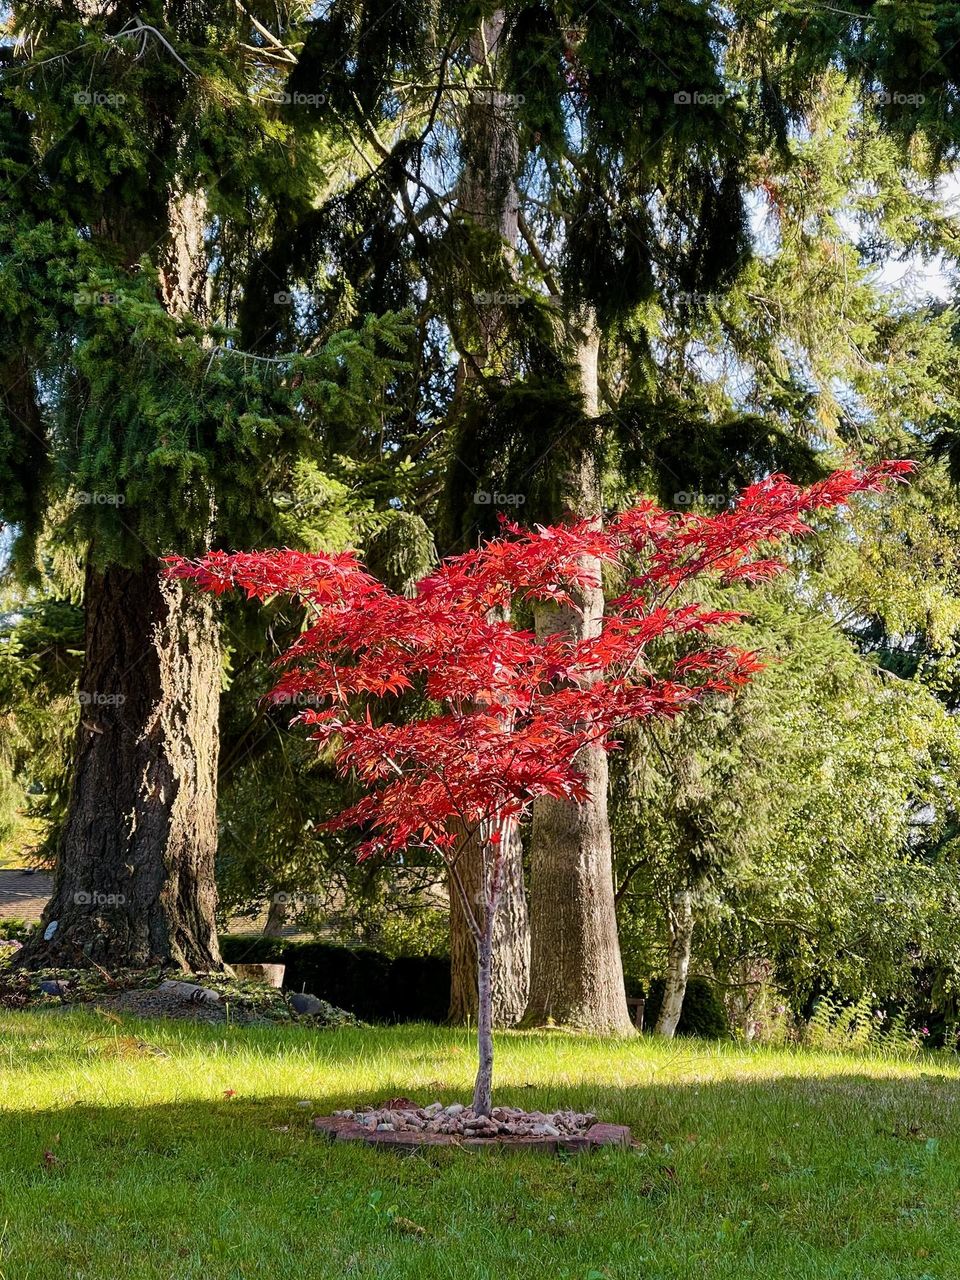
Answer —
(341, 1129)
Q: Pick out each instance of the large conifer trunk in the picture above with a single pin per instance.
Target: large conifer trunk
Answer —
(134, 880)
(576, 973)
(511, 939)
(487, 195)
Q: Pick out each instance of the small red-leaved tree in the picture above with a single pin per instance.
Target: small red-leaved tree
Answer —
(513, 712)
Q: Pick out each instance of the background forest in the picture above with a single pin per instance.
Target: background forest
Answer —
(374, 275)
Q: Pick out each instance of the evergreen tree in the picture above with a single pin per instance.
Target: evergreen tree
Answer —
(140, 147)
(613, 161)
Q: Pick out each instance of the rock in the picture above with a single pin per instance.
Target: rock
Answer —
(509, 1128)
(189, 991)
(304, 1003)
(53, 988)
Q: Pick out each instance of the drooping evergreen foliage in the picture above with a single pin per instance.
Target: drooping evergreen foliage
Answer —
(138, 399)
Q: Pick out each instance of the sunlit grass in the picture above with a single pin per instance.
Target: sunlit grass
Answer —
(188, 1149)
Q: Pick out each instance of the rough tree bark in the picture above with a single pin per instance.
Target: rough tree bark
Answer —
(134, 879)
(576, 974)
(134, 883)
(487, 194)
(678, 963)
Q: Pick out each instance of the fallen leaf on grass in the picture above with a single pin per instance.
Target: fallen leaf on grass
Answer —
(407, 1226)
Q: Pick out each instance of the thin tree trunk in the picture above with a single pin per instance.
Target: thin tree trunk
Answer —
(487, 194)
(276, 916)
(483, 1088)
(134, 880)
(511, 939)
(485, 912)
(576, 974)
(678, 964)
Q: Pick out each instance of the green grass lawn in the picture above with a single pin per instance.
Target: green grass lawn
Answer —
(115, 1160)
